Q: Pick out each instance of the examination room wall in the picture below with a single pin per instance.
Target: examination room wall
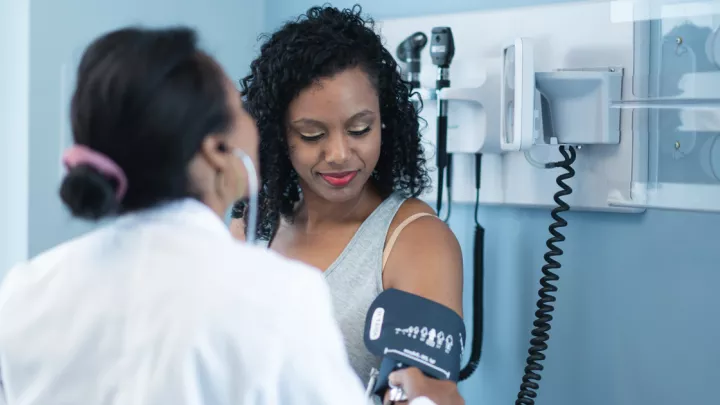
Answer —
(636, 320)
(59, 31)
(14, 113)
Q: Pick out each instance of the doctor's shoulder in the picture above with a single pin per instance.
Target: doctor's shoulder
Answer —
(287, 298)
(24, 287)
(36, 268)
(284, 285)
(281, 311)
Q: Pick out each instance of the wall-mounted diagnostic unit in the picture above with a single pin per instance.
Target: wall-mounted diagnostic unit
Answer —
(596, 91)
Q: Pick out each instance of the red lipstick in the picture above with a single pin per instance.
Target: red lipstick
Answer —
(340, 179)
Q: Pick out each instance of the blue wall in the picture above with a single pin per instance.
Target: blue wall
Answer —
(636, 319)
(59, 31)
(14, 118)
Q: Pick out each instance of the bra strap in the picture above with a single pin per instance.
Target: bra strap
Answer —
(396, 233)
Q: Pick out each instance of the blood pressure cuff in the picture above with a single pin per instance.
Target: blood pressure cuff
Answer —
(407, 330)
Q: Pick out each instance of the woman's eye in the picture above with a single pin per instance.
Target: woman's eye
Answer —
(358, 132)
(311, 137)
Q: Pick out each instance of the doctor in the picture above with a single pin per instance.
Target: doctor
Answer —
(163, 306)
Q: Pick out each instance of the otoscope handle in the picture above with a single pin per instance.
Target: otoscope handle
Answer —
(442, 129)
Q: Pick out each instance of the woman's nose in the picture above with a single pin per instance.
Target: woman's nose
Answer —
(337, 149)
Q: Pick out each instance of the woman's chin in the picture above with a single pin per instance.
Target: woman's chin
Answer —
(337, 195)
(340, 195)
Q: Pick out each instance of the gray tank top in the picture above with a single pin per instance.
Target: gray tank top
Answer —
(355, 280)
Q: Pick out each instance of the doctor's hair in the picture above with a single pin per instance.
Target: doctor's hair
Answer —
(319, 44)
(145, 98)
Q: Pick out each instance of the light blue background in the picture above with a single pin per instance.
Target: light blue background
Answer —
(59, 32)
(636, 319)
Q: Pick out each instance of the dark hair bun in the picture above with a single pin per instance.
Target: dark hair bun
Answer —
(89, 194)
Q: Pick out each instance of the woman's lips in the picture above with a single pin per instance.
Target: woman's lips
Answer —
(340, 179)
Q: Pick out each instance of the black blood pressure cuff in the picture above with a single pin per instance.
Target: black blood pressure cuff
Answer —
(407, 330)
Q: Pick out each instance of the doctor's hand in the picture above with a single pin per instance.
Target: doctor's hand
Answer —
(416, 385)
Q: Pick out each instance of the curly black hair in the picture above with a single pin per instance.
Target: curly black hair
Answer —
(319, 44)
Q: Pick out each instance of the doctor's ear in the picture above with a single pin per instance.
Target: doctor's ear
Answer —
(215, 150)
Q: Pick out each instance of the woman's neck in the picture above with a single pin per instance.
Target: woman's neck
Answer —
(315, 213)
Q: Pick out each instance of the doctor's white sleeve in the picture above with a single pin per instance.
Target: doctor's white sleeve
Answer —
(3, 400)
(319, 372)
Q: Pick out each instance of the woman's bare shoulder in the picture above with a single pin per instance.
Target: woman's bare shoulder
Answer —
(425, 257)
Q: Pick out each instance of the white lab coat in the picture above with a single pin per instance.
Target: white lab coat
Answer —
(165, 307)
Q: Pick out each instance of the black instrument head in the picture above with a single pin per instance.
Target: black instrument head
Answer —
(442, 46)
(411, 48)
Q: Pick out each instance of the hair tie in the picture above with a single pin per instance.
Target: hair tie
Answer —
(82, 155)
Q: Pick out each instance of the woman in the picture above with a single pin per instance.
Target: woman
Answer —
(342, 165)
(163, 306)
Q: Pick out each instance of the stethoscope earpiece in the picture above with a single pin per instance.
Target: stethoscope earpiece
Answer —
(253, 188)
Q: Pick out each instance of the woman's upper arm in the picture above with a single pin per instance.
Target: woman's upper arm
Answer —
(237, 228)
(426, 260)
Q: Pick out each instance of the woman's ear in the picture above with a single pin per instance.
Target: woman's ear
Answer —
(215, 151)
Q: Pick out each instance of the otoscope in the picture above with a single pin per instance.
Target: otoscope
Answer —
(409, 52)
(442, 50)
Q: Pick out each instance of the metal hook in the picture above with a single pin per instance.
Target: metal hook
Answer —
(680, 49)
